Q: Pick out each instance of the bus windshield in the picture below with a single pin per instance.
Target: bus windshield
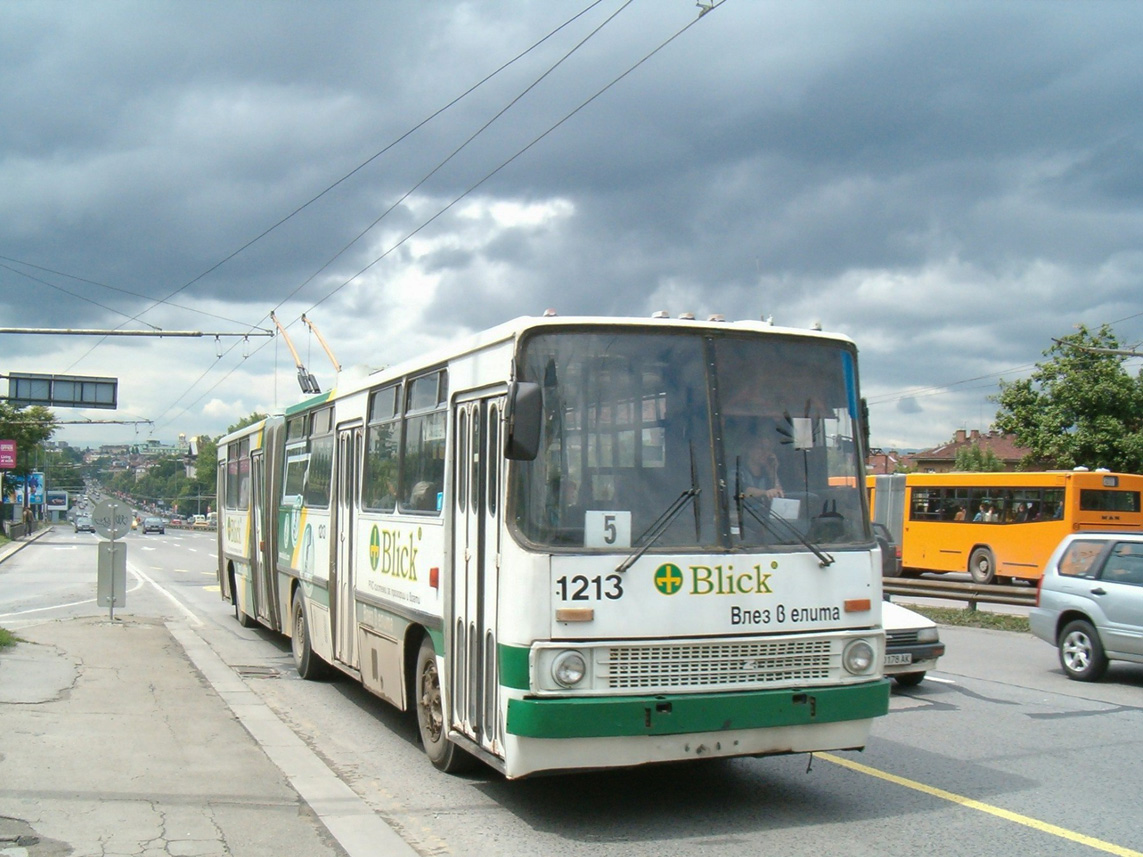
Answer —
(689, 440)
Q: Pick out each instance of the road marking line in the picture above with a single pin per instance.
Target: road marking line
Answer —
(138, 585)
(191, 615)
(969, 803)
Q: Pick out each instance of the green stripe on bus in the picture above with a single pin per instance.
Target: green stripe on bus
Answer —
(318, 593)
(708, 712)
(514, 671)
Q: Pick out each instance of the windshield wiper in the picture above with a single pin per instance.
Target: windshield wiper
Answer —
(656, 530)
(824, 559)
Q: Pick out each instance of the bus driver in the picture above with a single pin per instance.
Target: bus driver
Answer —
(758, 475)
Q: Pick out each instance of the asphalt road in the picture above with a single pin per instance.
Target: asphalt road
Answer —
(995, 753)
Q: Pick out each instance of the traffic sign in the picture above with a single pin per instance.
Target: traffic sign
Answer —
(112, 518)
(111, 576)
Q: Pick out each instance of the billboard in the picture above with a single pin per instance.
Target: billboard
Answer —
(14, 488)
(7, 454)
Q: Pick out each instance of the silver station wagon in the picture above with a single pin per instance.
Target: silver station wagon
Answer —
(1090, 602)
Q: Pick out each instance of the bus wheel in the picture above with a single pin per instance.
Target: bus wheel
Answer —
(240, 614)
(982, 566)
(308, 664)
(442, 752)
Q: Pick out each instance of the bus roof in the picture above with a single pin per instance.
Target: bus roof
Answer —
(1023, 478)
(352, 381)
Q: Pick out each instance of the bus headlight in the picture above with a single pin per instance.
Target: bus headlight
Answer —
(569, 668)
(858, 657)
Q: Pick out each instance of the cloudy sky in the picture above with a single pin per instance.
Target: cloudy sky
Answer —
(952, 184)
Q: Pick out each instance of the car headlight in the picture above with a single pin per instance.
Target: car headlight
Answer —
(928, 635)
(858, 657)
(569, 668)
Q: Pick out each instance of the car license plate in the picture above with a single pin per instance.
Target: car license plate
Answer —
(898, 660)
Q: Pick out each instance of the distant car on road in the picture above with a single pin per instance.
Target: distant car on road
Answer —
(176, 521)
(912, 644)
(84, 524)
(154, 525)
(1089, 603)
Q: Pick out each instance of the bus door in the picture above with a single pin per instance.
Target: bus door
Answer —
(474, 677)
(343, 603)
(261, 570)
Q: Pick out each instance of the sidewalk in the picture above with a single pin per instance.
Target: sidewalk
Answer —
(131, 737)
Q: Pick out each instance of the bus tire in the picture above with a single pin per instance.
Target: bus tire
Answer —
(982, 566)
(1081, 652)
(442, 752)
(308, 664)
(239, 614)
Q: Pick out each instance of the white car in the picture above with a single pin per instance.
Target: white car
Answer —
(912, 644)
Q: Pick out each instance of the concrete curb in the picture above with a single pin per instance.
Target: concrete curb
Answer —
(17, 545)
(356, 826)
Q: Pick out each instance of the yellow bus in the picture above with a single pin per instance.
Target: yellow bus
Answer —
(1003, 526)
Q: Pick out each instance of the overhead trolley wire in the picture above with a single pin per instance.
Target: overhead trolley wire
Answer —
(373, 157)
(705, 9)
(938, 389)
(102, 286)
(386, 148)
(454, 153)
(321, 194)
(472, 188)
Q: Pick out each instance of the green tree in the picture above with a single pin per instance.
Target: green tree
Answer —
(1080, 408)
(206, 463)
(973, 458)
(248, 420)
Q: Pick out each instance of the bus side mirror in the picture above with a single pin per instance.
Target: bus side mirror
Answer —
(523, 418)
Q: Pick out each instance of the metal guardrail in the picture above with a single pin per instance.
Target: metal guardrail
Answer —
(973, 593)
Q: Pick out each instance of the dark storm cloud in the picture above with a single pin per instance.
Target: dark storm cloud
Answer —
(952, 184)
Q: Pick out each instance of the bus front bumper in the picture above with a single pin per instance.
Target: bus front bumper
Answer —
(626, 716)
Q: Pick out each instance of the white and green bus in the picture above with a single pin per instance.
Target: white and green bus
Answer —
(543, 541)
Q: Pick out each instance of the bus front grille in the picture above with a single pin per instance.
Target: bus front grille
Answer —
(717, 665)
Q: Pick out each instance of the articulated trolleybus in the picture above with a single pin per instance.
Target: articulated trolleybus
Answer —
(557, 544)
